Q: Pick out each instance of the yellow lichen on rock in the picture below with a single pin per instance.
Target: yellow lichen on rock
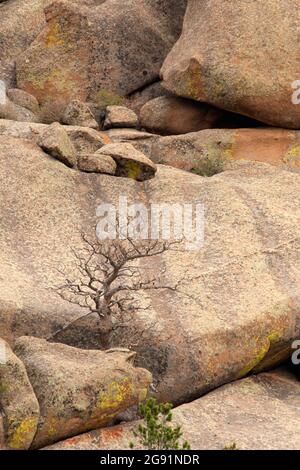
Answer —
(23, 434)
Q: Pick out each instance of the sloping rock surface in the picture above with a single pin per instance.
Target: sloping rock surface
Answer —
(238, 305)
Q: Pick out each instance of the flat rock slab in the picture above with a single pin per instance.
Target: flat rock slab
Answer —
(222, 147)
(257, 413)
(239, 305)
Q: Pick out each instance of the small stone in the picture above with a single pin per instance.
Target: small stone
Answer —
(120, 116)
(24, 99)
(130, 162)
(18, 403)
(78, 113)
(14, 112)
(56, 142)
(97, 163)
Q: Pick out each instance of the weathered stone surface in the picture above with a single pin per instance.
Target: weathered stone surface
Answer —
(142, 141)
(97, 163)
(169, 115)
(14, 112)
(21, 98)
(79, 390)
(78, 113)
(242, 287)
(257, 413)
(223, 147)
(137, 100)
(111, 49)
(231, 54)
(130, 162)
(56, 142)
(120, 116)
(21, 22)
(84, 139)
(18, 403)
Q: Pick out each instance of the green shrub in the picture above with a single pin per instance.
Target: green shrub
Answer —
(157, 432)
(208, 167)
(231, 447)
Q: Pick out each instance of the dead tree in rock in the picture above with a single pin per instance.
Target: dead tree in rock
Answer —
(107, 280)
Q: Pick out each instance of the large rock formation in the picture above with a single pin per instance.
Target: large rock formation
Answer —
(258, 413)
(237, 308)
(220, 148)
(77, 390)
(21, 22)
(239, 55)
(110, 49)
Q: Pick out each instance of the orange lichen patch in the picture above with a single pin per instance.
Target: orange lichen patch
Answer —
(61, 83)
(263, 145)
(113, 434)
(105, 138)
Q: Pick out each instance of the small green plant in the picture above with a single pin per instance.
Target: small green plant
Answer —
(208, 168)
(232, 446)
(157, 432)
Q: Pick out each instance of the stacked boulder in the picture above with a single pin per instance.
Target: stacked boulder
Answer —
(52, 391)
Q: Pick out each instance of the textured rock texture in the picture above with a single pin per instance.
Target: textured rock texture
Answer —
(242, 287)
(97, 163)
(18, 403)
(100, 51)
(169, 115)
(257, 413)
(130, 162)
(120, 116)
(239, 55)
(224, 147)
(78, 390)
(84, 139)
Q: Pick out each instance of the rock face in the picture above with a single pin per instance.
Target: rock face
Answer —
(85, 52)
(21, 22)
(241, 291)
(79, 390)
(222, 147)
(257, 413)
(18, 403)
(236, 63)
(168, 115)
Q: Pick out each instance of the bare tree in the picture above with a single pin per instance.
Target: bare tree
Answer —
(108, 278)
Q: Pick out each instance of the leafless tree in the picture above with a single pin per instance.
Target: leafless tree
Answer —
(107, 278)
